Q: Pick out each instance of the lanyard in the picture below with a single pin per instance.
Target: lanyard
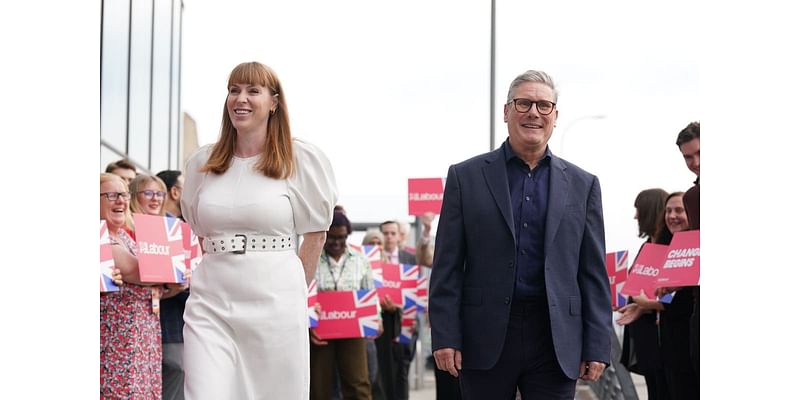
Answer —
(330, 270)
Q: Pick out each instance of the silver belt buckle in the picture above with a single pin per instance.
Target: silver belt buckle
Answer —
(244, 246)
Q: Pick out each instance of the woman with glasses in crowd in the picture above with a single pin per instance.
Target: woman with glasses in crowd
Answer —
(148, 195)
(249, 196)
(130, 335)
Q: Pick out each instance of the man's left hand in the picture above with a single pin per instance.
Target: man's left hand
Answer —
(591, 370)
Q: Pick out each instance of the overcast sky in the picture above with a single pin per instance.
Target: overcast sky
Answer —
(393, 90)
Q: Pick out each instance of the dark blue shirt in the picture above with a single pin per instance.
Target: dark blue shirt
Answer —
(529, 190)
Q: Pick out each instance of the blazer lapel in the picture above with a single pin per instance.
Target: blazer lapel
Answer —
(557, 199)
(497, 179)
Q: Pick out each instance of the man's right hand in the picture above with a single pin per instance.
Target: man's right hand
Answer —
(448, 359)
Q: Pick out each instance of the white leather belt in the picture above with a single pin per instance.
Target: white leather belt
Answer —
(243, 243)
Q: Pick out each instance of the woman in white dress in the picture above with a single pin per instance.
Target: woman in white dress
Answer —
(248, 196)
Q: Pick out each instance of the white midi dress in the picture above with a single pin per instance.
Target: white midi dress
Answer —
(246, 332)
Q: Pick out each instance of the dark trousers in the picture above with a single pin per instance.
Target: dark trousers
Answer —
(350, 357)
(394, 359)
(446, 385)
(528, 361)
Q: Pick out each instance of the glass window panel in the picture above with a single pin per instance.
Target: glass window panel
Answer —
(162, 40)
(139, 109)
(114, 73)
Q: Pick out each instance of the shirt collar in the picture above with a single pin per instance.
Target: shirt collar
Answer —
(509, 154)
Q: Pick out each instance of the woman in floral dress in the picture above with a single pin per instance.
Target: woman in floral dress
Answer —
(130, 335)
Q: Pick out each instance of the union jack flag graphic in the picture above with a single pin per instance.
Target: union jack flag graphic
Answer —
(377, 274)
(356, 247)
(313, 317)
(617, 269)
(422, 294)
(399, 282)
(191, 247)
(407, 323)
(106, 260)
(348, 314)
(373, 253)
(161, 255)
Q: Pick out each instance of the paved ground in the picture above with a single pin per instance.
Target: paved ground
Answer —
(427, 388)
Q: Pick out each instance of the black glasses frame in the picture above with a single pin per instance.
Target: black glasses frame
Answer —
(539, 104)
(113, 196)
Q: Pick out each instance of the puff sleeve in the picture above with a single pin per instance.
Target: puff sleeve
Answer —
(192, 182)
(312, 189)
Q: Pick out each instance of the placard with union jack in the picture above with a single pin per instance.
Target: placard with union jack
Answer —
(106, 261)
(161, 256)
(398, 281)
(191, 247)
(313, 317)
(348, 314)
(617, 269)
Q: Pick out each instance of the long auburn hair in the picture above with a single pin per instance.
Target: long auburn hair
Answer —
(277, 160)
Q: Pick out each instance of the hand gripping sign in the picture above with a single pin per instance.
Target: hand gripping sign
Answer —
(161, 256)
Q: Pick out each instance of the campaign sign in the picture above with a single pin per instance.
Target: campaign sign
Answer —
(191, 247)
(682, 263)
(646, 269)
(348, 314)
(425, 195)
(313, 318)
(106, 260)
(617, 269)
(398, 281)
(161, 257)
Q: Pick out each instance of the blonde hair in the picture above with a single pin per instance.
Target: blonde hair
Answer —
(108, 177)
(277, 160)
(137, 185)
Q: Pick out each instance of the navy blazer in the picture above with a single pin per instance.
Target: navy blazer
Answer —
(473, 272)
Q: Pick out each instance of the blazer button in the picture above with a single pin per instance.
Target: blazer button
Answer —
(506, 301)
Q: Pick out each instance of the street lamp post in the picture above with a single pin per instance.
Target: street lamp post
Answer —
(572, 123)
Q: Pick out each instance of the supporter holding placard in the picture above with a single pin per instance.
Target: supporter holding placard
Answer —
(130, 336)
(641, 353)
(341, 268)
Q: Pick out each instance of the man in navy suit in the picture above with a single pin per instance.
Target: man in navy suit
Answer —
(519, 295)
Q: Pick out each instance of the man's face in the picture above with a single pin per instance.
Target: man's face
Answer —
(691, 154)
(127, 174)
(336, 241)
(390, 236)
(530, 130)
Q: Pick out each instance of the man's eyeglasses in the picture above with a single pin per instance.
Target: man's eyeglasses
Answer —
(113, 196)
(543, 106)
(149, 194)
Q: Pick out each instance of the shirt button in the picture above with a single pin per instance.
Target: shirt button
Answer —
(527, 198)
(506, 301)
(524, 224)
(523, 252)
(529, 174)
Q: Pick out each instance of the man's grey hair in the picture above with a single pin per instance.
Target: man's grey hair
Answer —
(532, 76)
